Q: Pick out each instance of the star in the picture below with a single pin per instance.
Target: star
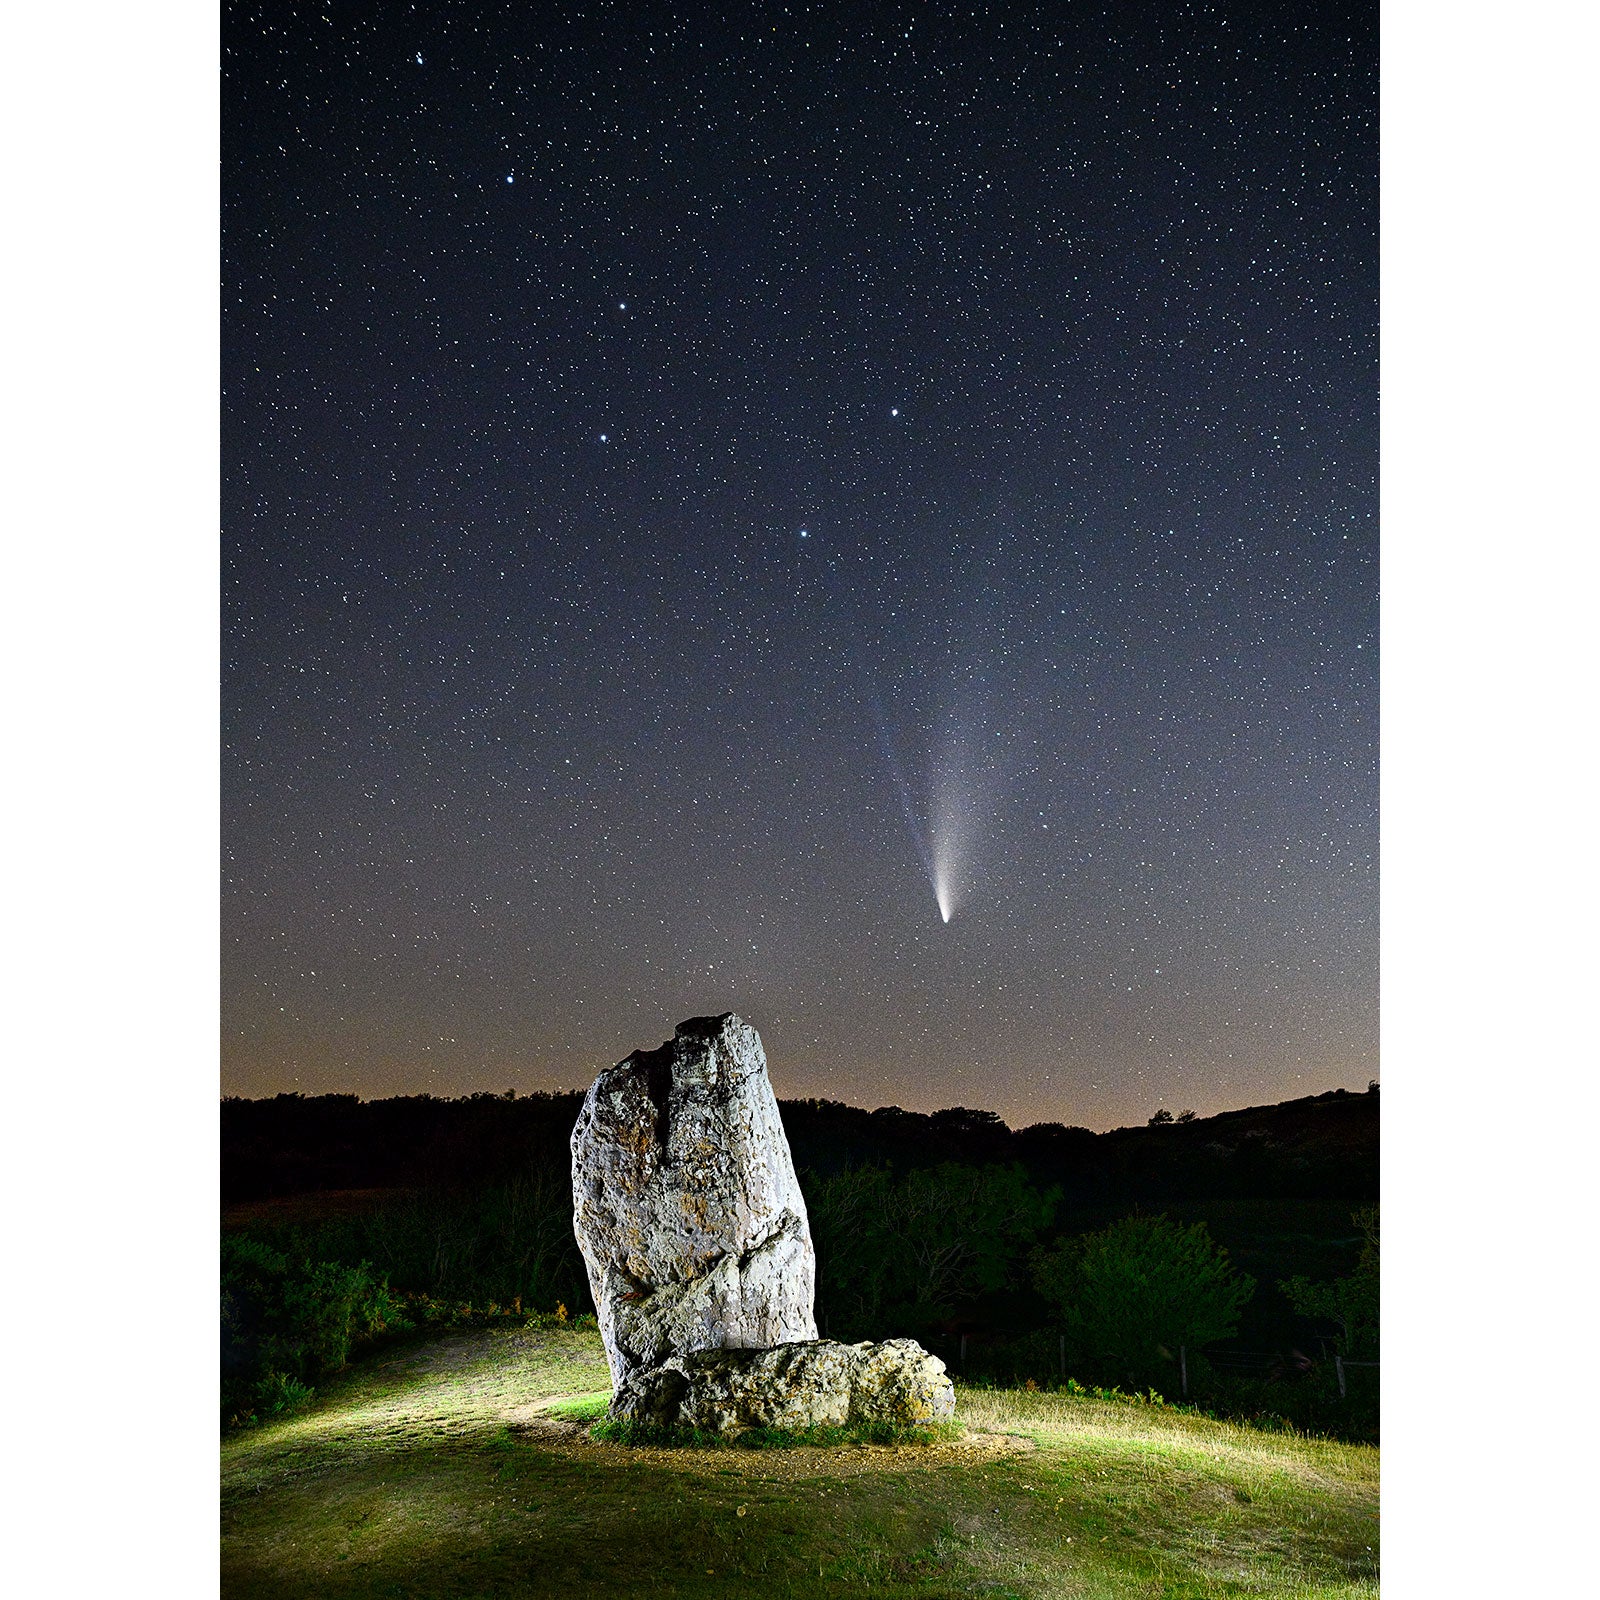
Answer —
(893, 714)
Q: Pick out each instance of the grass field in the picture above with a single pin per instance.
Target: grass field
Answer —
(464, 1467)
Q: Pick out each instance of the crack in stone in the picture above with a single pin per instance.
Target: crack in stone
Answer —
(686, 1204)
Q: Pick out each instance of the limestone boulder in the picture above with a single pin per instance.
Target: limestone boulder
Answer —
(816, 1384)
(686, 1205)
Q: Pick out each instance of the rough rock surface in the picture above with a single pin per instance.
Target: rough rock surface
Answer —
(686, 1205)
(818, 1384)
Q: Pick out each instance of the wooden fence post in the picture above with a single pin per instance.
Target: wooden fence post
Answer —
(1063, 1356)
(1338, 1367)
(963, 1352)
(1183, 1370)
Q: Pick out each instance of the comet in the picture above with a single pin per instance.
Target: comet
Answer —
(946, 812)
(941, 828)
(902, 789)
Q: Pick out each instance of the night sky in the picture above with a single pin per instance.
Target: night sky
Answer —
(708, 492)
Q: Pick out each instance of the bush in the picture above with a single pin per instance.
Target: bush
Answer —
(509, 1240)
(1311, 1405)
(285, 1320)
(894, 1251)
(279, 1395)
(1129, 1296)
(1351, 1303)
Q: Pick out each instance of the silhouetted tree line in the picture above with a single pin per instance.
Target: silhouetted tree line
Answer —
(1321, 1147)
(296, 1144)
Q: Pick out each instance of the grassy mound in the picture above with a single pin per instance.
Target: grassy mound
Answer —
(466, 1467)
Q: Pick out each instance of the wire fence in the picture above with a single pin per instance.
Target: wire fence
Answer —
(1269, 1364)
(1339, 1365)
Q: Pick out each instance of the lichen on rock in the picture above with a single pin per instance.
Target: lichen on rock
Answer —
(686, 1205)
(816, 1384)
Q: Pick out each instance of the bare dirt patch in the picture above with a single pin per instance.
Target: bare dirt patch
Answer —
(538, 1423)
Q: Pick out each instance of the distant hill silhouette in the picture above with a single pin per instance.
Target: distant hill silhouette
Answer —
(1322, 1147)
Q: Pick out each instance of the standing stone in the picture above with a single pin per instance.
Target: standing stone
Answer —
(686, 1205)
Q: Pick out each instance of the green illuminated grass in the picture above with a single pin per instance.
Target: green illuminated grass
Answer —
(588, 1408)
(465, 1468)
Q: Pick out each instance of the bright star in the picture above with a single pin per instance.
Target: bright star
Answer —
(508, 177)
(419, 58)
(602, 438)
(894, 411)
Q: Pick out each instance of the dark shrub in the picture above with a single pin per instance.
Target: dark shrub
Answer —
(1129, 1296)
(289, 1320)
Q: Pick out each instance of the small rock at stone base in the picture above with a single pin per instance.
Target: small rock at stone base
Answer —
(815, 1383)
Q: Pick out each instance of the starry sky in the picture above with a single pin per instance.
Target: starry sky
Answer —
(708, 492)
